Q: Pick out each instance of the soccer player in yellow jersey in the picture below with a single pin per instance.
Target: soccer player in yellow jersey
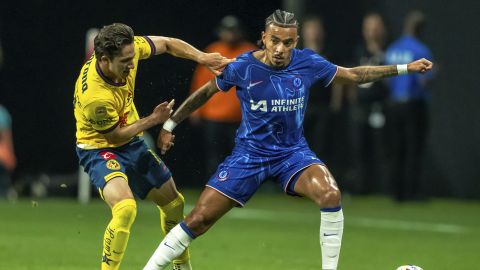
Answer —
(109, 130)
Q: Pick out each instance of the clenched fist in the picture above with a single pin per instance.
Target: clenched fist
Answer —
(419, 66)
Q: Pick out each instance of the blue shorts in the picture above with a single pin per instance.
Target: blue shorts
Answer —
(242, 173)
(134, 161)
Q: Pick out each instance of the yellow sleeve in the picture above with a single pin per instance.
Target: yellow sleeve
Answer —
(102, 116)
(145, 47)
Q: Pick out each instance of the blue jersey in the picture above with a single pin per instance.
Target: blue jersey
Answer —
(404, 51)
(273, 101)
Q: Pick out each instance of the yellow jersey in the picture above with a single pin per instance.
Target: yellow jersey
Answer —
(100, 105)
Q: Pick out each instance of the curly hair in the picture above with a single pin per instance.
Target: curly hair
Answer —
(111, 39)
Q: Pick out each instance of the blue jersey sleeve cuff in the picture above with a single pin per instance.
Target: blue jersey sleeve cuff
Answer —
(333, 77)
(222, 85)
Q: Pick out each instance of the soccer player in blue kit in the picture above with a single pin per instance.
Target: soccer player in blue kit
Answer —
(273, 88)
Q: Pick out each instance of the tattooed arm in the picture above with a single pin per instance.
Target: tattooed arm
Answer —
(364, 74)
(192, 103)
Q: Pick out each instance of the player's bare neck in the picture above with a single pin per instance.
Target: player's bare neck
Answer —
(261, 56)
(106, 72)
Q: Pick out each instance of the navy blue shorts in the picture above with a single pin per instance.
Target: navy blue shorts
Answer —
(134, 161)
(242, 173)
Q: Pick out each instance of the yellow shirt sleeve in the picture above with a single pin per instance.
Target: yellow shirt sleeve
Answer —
(102, 116)
(145, 47)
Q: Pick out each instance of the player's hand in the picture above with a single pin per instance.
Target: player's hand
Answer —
(419, 66)
(163, 111)
(165, 141)
(215, 62)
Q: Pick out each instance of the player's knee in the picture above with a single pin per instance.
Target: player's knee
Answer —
(328, 198)
(125, 212)
(199, 222)
(332, 198)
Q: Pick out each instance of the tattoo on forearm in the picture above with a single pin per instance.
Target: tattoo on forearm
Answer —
(367, 74)
(192, 103)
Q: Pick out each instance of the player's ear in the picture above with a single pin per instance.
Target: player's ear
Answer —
(296, 41)
(104, 58)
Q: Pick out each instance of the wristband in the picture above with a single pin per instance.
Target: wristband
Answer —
(402, 69)
(169, 125)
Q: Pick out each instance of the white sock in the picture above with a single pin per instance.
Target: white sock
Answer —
(331, 230)
(174, 243)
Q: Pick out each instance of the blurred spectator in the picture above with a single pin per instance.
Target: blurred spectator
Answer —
(220, 116)
(7, 156)
(89, 37)
(367, 112)
(325, 118)
(1, 54)
(407, 116)
(318, 116)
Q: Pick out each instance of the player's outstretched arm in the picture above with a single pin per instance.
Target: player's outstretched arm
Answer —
(365, 74)
(191, 104)
(159, 115)
(215, 62)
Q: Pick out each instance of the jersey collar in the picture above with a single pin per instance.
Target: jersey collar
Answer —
(294, 52)
(105, 78)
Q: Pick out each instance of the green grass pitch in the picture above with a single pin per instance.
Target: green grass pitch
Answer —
(272, 232)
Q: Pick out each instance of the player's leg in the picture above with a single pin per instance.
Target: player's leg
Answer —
(171, 204)
(156, 184)
(209, 208)
(316, 183)
(119, 197)
(107, 172)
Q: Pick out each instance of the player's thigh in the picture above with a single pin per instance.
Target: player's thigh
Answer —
(154, 179)
(116, 190)
(317, 183)
(164, 194)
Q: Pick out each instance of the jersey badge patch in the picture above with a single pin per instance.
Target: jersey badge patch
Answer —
(223, 175)
(112, 164)
(108, 155)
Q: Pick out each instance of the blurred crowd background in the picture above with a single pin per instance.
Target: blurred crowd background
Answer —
(375, 139)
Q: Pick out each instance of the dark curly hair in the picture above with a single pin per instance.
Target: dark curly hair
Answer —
(111, 39)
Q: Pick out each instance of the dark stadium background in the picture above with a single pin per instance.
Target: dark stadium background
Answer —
(44, 41)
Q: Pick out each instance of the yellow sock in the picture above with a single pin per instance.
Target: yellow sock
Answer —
(116, 235)
(170, 215)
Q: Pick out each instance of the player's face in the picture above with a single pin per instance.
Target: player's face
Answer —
(121, 64)
(373, 28)
(279, 43)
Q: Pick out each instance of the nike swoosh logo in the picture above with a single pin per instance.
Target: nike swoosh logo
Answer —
(253, 84)
(168, 246)
(329, 234)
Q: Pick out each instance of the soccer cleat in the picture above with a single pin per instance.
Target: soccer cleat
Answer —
(182, 266)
